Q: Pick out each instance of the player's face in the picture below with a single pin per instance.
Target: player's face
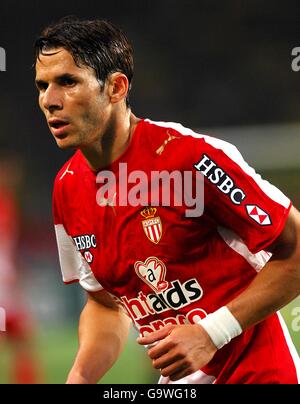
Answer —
(76, 109)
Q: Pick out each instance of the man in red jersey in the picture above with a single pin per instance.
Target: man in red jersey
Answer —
(198, 283)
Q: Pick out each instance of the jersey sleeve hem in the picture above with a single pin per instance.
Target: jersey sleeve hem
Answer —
(95, 288)
(89, 288)
(277, 231)
(74, 268)
(71, 281)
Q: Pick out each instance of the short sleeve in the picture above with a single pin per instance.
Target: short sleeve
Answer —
(73, 266)
(236, 197)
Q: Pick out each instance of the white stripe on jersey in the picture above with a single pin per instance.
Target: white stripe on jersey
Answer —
(257, 261)
(156, 230)
(232, 152)
(290, 344)
(150, 231)
(73, 266)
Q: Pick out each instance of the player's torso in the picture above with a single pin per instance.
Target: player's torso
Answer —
(158, 261)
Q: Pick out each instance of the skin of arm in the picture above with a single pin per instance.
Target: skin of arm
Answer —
(181, 350)
(103, 331)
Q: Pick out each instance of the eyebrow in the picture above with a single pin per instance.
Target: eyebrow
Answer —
(62, 77)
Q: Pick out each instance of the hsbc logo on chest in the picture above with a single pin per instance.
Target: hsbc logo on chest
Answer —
(85, 242)
(218, 177)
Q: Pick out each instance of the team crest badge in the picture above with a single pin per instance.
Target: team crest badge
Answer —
(152, 225)
(152, 272)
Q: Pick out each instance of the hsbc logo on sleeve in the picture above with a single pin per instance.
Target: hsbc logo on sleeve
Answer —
(258, 215)
(88, 257)
(218, 177)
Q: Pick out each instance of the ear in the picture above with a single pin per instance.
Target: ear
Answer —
(117, 87)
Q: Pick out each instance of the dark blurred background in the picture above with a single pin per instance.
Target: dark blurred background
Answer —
(222, 68)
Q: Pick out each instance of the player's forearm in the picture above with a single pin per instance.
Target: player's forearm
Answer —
(273, 288)
(102, 335)
(277, 284)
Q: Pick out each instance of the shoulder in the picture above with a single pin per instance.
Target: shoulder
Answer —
(162, 127)
(68, 170)
(66, 186)
(191, 141)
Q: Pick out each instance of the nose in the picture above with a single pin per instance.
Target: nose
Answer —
(52, 98)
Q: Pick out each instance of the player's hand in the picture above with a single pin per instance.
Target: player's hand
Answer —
(179, 350)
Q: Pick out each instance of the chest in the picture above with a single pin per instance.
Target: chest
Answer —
(137, 224)
(118, 241)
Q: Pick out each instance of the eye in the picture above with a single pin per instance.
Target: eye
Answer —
(68, 81)
(41, 85)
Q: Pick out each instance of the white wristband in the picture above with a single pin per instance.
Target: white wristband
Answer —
(221, 326)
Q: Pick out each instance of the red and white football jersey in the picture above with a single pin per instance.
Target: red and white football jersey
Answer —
(166, 267)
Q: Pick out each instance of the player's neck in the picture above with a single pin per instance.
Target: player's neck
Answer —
(113, 143)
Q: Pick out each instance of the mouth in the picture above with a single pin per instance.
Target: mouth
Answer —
(58, 126)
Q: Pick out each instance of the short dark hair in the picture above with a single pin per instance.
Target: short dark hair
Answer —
(94, 43)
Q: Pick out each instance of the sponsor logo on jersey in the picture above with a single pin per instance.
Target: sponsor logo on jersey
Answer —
(191, 317)
(176, 296)
(152, 272)
(259, 215)
(85, 242)
(152, 225)
(161, 149)
(88, 257)
(168, 296)
(218, 177)
(67, 172)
